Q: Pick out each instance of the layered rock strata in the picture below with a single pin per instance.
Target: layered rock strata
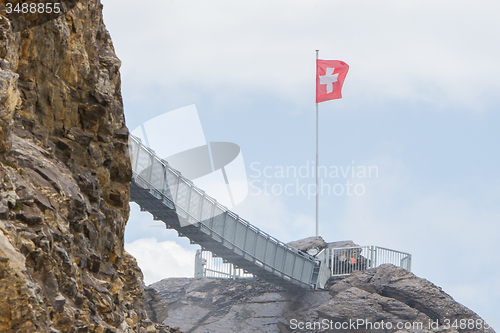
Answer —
(64, 181)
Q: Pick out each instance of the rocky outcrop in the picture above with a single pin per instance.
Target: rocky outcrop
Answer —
(221, 305)
(305, 244)
(64, 180)
(395, 295)
(363, 302)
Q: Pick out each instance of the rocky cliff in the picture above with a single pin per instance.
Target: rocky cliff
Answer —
(384, 299)
(64, 179)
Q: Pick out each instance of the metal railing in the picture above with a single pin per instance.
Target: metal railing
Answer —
(175, 200)
(340, 261)
(270, 257)
(206, 265)
(346, 260)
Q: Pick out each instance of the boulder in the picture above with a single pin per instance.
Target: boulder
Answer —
(347, 243)
(308, 243)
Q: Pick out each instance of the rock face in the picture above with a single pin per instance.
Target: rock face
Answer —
(221, 305)
(398, 296)
(64, 181)
(385, 294)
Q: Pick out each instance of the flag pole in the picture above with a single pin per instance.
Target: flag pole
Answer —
(317, 156)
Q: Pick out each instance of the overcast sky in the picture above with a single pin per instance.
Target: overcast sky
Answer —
(420, 103)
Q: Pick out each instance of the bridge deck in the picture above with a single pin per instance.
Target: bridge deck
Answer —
(171, 198)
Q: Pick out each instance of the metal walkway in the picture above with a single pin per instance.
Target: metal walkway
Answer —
(173, 199)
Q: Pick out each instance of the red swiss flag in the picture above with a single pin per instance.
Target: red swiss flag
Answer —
(330, 76)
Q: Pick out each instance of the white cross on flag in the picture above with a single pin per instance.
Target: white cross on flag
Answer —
(330, 76)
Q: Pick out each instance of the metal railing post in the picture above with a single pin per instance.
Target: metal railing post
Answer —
(198, 267)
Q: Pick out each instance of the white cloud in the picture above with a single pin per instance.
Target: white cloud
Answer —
(445, 52)
(160, 260)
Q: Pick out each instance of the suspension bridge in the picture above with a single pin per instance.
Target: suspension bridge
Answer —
(163, 192)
